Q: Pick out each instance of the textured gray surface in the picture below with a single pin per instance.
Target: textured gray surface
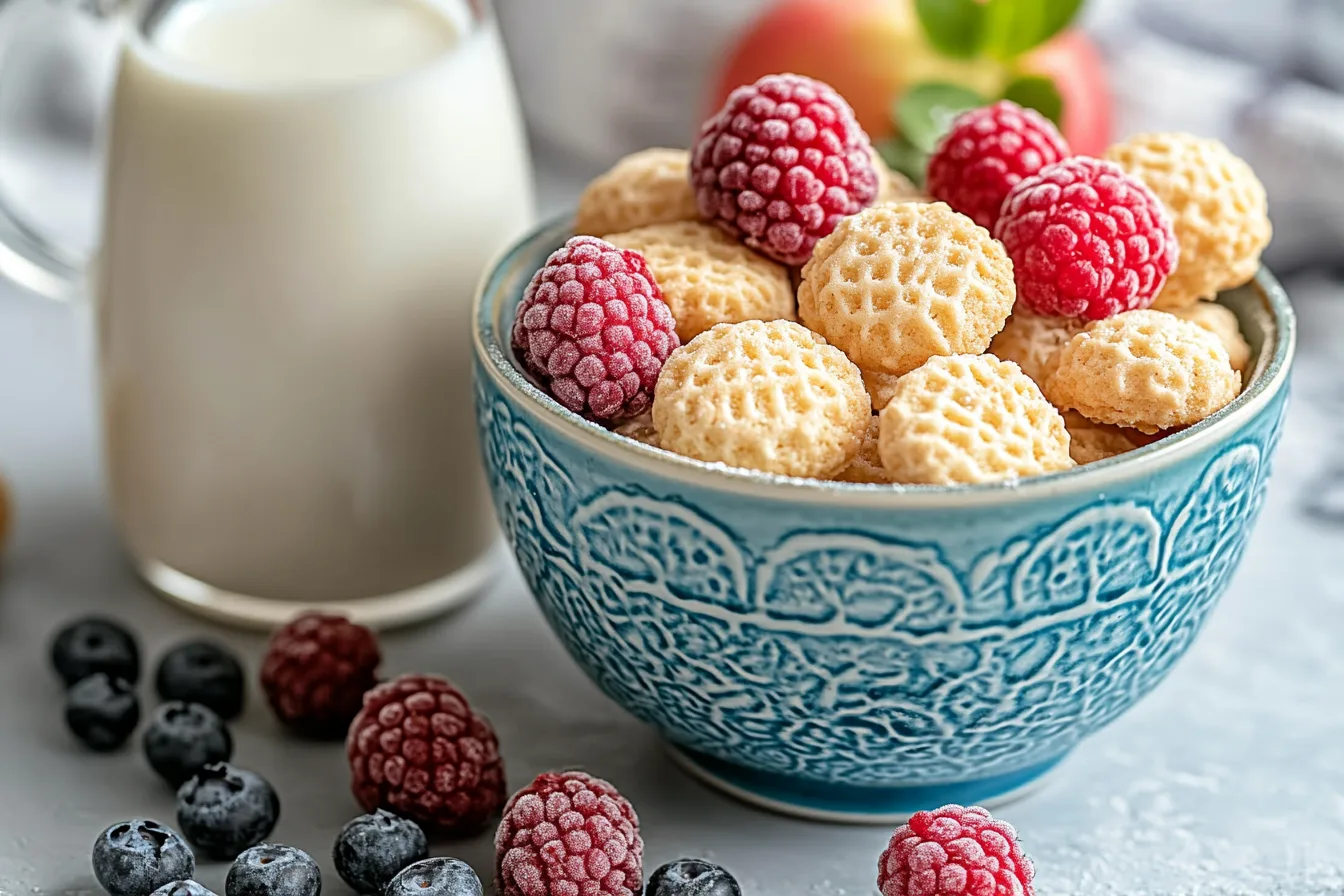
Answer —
(1228, 780)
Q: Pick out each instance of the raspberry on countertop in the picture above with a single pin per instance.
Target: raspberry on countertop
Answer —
(316, 671)
(954, 851)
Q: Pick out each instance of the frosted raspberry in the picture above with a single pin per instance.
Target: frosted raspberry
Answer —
(593, 327)
(1087, 240)
(986, 153)
(781, 163)
(954, 851)
(418, 750)
(568, 834)
(316, 671)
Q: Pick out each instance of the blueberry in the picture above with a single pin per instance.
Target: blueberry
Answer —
(274, 870)
(205, 673)
(691, 877)
(223, 810)
(102, 711)
(182, 888)
(95, 644)
(371, 849)
(136, 857)
(435, 877)
(182, 738)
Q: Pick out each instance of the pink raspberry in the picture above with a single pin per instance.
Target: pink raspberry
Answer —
(593, 327)
(954, 851)
(1087, 240)
(568, 834)
(781, 164)
(986, 153)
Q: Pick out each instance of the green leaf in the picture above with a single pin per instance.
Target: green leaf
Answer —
(1037, 92)
(903, 156)
(954, 27)
(926, 111)
(1012, 27)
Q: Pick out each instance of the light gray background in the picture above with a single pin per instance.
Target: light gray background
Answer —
(1228, 780)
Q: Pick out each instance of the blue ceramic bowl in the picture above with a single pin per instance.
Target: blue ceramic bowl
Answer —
(859, 652)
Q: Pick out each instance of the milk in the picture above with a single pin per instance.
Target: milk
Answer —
(301, 197)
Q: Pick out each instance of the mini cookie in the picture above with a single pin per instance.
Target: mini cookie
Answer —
(1090, 442)
(867, 466)
(769, 396)
(648, 187)
(897, 284)
(880, 386)
(709, 278)
(1032, 342)
(893, 186)
(970, 418)
(1146, 370)
(1221, 322)
(1218, 209)
(641, 429)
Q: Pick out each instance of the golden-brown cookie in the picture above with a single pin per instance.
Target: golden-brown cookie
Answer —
(1218, 208)
(648, 187)
(1090, 442)
(709, 278)
(967, 419)
(880, 386)
(1032, 342)
(898, 284)
(1222, 322)
(763, 395)
(1146, 370)
(867, 464)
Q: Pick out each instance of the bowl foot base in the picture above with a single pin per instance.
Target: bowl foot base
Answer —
(855, 805)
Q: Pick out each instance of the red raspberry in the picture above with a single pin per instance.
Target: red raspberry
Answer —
(986, 153)
(316, 671)
(593, 327)
(568, 834)
(954, 851)
(1087, 240)
(781, 163)
(419, 750)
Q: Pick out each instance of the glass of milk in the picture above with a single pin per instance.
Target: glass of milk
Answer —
(300, 196)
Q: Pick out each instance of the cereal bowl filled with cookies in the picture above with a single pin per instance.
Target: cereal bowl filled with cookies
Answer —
(870, 500)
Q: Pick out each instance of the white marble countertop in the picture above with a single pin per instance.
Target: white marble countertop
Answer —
(1228, 780)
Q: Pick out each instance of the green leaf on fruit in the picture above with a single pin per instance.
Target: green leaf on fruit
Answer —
(903, 156)
(954, 27)
(926, 111)
(1037, 92)
(1002, 29)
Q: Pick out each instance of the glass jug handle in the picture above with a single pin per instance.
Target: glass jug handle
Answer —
(29, 256)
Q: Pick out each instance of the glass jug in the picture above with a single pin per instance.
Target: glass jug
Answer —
(299, 197)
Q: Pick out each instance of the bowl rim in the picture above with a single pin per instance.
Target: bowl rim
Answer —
(1268, 378)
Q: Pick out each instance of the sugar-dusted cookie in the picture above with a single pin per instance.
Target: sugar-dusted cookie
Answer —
(880, 386)
(1222, 322)
(649, 187)
(867, 464)
(1090, 442)
(1033, 341)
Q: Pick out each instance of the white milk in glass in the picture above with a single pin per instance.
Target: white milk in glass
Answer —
(301, 197)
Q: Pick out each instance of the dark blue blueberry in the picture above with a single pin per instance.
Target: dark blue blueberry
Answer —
(95, 644)
(182, 738)
(371, 849)
(183, 888)
(691, 877)
(435, 877)
(223, 810)
(102, 711)
(205, 673)
(136, 857)
(274, 870)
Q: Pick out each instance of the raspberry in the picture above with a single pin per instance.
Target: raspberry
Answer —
(986, 153)
(316, 671)
(953, 851)
(594, 329)
(781, 163)
(1087, 240)
(568, 834)
(419, 750)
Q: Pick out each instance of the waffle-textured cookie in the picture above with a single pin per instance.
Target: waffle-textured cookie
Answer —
(1090, 442)
(1146, 370)
(1217, 205)
(880, 386)
(641, 429)
(1032, 342)
(1222, 322)
(867, 464)
(764, 395)
(970, 418)
(897, 284)
(709, 278)
(649, 187)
